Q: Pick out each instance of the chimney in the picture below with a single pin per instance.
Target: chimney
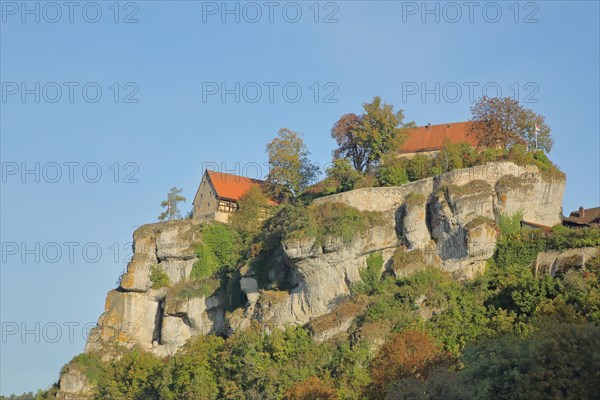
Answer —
(581, 212)
(428, 126)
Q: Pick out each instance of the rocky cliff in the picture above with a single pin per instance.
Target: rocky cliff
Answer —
(137, 314)
(448, 221)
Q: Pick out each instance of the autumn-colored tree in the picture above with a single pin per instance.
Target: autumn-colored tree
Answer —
(290, 169)
(366, 138)
(410, 353)
(172, 210)
(350, 144)
(311, 389)
(503, 122)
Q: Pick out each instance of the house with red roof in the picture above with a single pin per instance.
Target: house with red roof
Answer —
(430, 139)
(218, 195)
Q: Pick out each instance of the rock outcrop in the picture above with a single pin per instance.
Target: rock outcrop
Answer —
(448, 221)
(138, 315)
(73, 384)
(558, 262)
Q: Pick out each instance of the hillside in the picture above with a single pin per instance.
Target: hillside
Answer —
(436, 265)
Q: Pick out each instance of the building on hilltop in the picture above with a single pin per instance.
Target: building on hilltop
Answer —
(218, 195)
(583, 218)
(430, 139)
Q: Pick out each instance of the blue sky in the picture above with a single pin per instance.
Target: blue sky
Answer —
(160, 119)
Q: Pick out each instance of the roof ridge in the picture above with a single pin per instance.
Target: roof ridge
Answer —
(233, 175)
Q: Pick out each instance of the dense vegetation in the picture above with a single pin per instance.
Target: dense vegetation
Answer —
(394, 171)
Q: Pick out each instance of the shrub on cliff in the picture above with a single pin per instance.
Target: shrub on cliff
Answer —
(219, 248)
(328, 220)
(158, 277)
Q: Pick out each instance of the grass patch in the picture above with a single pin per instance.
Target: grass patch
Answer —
(508, 182)
(471, 188)
(414, 199)
(186, 290)
(371, 274)
(90, 364)
(273, 296)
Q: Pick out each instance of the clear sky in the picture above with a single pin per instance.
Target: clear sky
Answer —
(186, 83)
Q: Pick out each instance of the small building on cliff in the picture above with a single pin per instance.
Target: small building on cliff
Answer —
(583, 218)
(430, 139)
(218, 195)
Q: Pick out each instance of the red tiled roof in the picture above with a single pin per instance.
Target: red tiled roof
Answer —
(231, 186)
(432, 138)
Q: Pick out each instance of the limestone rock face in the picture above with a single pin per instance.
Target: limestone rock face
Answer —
(324, 275)
(136, 314)
(558, 262)
(413, 222)
(181, 321)
(73, 385)
(448, 221)
(168, 244)
(462, 219)
(541, 196)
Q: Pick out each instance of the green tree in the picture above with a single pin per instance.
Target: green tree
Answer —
(419, 167)
(253, 208)
(392, 171)
(342, 172)
(172, 210)
(135, 376)
(290, 169)
(541, 140)
(366, 138)
(192, 373)
(503, 122)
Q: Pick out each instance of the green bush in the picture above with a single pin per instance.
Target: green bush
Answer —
(158, 277)
(371, 274)
(510, 224)
(419, 167)
(193, 288)
(392, 172)
(344, 174)
(327, 220)
(565, 238)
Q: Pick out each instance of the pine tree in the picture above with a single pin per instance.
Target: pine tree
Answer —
(172, 211)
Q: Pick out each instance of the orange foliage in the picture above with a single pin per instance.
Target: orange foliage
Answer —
(311, 389)
(410, 353)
